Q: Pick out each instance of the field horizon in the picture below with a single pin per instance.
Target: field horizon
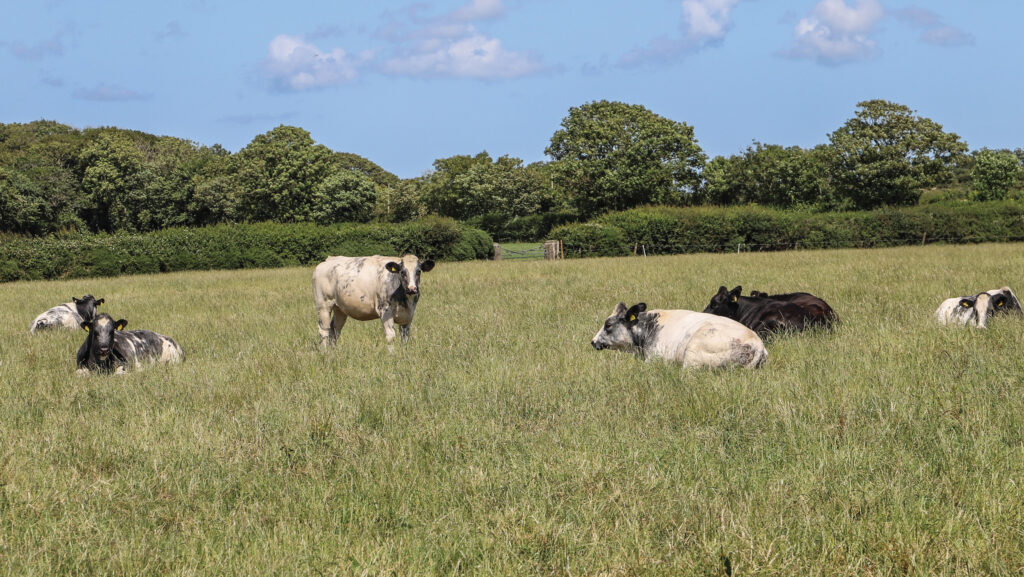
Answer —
(498, 442)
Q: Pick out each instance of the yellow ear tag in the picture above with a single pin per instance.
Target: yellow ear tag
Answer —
(965, 305)
(86, 327)
(632, 318)
(999, 304)
(735, 298)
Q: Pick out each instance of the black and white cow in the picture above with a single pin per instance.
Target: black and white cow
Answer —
(68, 315)
(367, 288)
(110, 348)
(974, 311)
(1012, 305)
(689, 338)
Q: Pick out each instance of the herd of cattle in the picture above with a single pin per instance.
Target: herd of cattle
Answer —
(727, 333)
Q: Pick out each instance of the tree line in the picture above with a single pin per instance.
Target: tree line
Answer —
(605, 156)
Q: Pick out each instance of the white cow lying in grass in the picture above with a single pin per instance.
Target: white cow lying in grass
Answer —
(690, 338)
(974, 311)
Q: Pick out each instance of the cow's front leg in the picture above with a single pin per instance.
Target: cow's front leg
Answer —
(387, 318)
(404, 331)
(323, 321)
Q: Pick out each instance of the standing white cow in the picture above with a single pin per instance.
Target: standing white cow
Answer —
(687, 337)
(367, 288)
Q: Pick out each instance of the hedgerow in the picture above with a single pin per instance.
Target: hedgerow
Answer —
(671, 230)
(233, 246)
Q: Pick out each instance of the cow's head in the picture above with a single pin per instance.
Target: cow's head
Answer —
(1010, 304)
(410, 267)
(975, 310)
(617, 330)
(87, 306)
(101, 333)
(725, 303)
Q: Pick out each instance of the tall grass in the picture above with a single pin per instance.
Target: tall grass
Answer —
(497, 441)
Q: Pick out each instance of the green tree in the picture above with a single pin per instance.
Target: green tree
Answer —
(885, 154)
(349, 161)
(770, 175)
(279, 173)
(113, 180)
(995, 173)
(613, 156)
(345, 196)
(401, 202)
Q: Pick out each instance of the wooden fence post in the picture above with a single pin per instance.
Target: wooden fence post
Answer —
(497, 251)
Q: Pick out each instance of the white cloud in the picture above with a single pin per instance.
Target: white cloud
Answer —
(450, 45)
(472, 56)
(476, 10)
(837, 33)
(707, 19)
(933, 29)
(704, 22)
(294, 64)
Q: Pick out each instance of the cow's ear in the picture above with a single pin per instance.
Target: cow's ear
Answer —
(99, 302)
(393, 266)
(85, 325)
(121, 324)
(635, 310)
(966, 303)
(75, 300)
(722, 290)
(427, 265)
(1000, 301)
(620, 309)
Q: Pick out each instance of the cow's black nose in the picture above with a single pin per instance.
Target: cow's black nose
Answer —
(597, 345)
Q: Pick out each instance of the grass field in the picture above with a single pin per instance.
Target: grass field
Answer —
(498, 442)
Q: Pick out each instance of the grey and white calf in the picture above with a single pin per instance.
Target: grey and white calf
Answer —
(971, 311)
(68, 315)
(690, 338)
(367, 288)
(110, 348)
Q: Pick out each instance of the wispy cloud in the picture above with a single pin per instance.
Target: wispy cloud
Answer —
(411, 42)
(109, 93)
(450, 45)
(292, 63)
(172, 29)
(933, 30)
(46, 48)
(704, 23)
(837, 33)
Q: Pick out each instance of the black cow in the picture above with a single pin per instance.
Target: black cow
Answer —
(766, 315)
(109, 348)
(813, 306)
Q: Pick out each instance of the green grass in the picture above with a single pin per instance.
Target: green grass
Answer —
(497, 441)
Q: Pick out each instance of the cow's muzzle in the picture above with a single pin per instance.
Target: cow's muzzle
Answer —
(104, 351)
(412, 291)
(597, 345)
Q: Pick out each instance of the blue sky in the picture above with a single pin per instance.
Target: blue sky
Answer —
(405, 83)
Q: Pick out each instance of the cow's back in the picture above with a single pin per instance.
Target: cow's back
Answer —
(353, 284)
(61, 316)
(701, 339)
(141, 345)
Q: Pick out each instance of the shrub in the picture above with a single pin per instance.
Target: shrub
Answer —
(591, 239)
(261, 245)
